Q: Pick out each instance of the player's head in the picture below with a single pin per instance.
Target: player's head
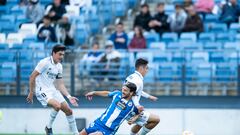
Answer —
(128, 90)
(58, 52)
(141, 66)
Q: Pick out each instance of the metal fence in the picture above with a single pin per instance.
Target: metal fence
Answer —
(170, 73)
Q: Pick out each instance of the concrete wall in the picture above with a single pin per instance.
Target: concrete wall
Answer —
(173, 121)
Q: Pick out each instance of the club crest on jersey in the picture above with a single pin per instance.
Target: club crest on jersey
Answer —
(130, 104)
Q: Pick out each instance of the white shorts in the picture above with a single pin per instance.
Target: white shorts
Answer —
(44, 95)
(143, 118)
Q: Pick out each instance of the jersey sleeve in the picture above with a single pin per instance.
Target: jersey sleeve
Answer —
(60, 72)
(41, 66)
(116, 92)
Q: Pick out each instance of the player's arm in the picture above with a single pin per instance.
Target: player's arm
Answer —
(89, 95)
(146, 95)
(59, 83)
(32, 86)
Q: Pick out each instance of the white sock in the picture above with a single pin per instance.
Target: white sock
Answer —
(52, 117)
(144, 131)
(72, 124)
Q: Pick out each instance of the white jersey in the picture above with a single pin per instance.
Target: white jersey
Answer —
(49, 72)
(137, 79)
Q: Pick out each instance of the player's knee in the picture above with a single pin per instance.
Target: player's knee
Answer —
(69, 112)
(57, 107)
(157, 120)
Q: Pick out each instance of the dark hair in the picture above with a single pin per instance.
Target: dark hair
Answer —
(120, 23)
(144, 5)
(160, 4)
(132, 87)
(140, 62)
(47, 17)
(58, 48)
(140, 31)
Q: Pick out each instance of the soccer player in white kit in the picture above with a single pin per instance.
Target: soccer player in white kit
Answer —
(47, 83)
(147, 120)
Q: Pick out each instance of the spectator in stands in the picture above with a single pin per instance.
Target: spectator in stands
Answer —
(46, 32)
(159, 21)
(204, 6)
(55, 10)
(138, 41)
(177, 20)
(22, 5)
(187, 3)
(34, 11)
(65, 31)
(143, 18)
(110, 60)
(3, 2)
(194, 22)
(119, 38)
(88, 60)
(230, 12)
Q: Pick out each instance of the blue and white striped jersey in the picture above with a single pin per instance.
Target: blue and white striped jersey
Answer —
(119, 110)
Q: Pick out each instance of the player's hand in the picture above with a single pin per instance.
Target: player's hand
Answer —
(89, 95)
(133, 119)
(153, 98)
(140, 108)
(30, 97)
(73, 101)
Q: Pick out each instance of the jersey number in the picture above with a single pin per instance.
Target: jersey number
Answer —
(43, 95)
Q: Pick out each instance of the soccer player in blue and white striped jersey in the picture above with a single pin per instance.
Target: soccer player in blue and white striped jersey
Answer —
(120, 109)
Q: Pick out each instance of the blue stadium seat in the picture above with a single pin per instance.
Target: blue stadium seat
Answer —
(94, 23)
(4, 9)
(120, 8)
(225, 72)
(8, 72)
(234, 27)
(212, 46)
(8, 17)
(157, 45)
(237, 37)
(217, 57)
(25, 71)
(211, 18)
(204, 73)
(233, 57)
(188, 36)
(169, 72)
(161, 57)
(132, 3)
(169, 37)
(81, 34)
(200, 57)
(151, 37)
(194, 46)
(206, 37)
(174, 46)
(169, 9)
(218, 28)
(6, 56)
(179, 57)
(151, 75)
(3, 46)
(224, 37)
(146, 55)
(105, 13)
(233, 46)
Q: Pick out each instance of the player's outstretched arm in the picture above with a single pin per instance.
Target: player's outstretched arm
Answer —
(32, 86)
(89, 95)
(59, 83)
(146, 95)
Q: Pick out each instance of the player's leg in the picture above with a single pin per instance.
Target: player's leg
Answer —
(135, 129)
(96, 133)
(83, 132)
(56, 106)
(69, 114)
(152, 122)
